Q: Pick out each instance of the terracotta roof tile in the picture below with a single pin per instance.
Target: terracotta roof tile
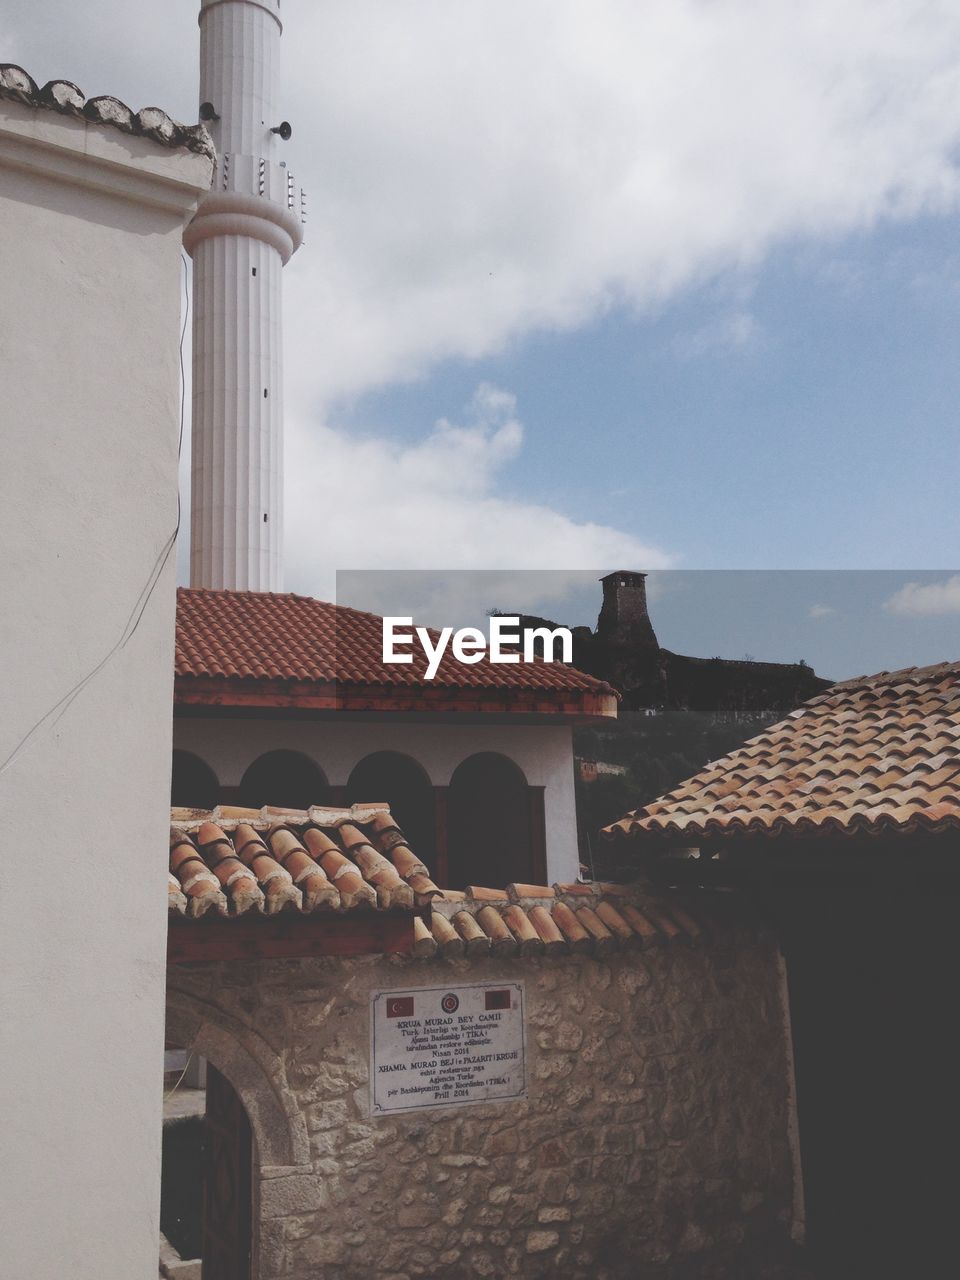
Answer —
(546, 927)
(232, 862)
(310, 860)
(446, 937)
(577, 938)
(487, 895)
(235, 636)
(528, 927)
(502, 941)
(880, 753)
(603, 939)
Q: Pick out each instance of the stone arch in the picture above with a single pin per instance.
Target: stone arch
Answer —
(254, 1070)
(283, 777)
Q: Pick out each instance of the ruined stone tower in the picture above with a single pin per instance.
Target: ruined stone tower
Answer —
(623, 615)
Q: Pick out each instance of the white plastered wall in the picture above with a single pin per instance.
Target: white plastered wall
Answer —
(90, 227)
(543, 752)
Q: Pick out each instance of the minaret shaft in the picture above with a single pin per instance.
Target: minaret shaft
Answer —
(242, 235)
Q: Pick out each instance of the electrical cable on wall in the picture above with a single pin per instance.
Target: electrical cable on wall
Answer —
(186, 1068)
(60, 708)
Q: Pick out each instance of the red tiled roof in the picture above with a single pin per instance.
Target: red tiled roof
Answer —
(247, 636)
(326, 863)
(231, 860)
(875, 754)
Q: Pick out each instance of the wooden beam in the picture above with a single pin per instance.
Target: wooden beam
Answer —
(288, 936)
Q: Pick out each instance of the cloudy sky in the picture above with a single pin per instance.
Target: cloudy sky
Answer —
(660, 283)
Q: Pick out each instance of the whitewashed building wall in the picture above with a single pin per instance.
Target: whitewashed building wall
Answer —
(90, 226)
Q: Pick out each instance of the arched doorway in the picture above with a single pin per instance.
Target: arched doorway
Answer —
(401, 782)
(193, 783)
(490, 838)
(206, 1201)
(252, 1069)
(284, 778)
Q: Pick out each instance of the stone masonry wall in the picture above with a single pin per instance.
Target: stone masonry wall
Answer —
(654, 1140)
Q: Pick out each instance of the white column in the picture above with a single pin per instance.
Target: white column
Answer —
(243, 234)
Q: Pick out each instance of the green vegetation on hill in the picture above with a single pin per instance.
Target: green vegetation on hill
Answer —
(658, 752)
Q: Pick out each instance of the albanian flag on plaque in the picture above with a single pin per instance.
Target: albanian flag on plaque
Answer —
(496, 999)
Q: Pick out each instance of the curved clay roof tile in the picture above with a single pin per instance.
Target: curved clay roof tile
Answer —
(62, 95)
(68, 99)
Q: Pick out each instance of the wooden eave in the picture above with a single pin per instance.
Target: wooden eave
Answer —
(567, 704)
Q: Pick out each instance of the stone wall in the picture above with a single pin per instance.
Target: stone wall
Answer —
(653, 1142)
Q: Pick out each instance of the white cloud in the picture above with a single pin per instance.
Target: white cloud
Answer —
(821, 610)
(926, 600)
(372, 503)
(481, 171)
(478, 171)
(733, 331)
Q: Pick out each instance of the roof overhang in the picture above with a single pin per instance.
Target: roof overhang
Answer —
(285, 696)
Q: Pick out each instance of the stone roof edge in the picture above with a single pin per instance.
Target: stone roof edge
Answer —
(64, 97)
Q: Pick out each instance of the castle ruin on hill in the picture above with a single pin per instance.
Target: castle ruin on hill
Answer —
(624, 650)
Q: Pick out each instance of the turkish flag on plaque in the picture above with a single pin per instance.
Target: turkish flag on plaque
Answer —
(400, 1007)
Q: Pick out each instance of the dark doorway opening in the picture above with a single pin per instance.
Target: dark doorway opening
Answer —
(193, 785)
(400, 782)
(227, 1183)
(206, 1202)
(490, 836)
(286, 779)
(873, 978)
(181, 1185)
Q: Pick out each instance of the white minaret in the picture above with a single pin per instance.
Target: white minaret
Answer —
(241, 237)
